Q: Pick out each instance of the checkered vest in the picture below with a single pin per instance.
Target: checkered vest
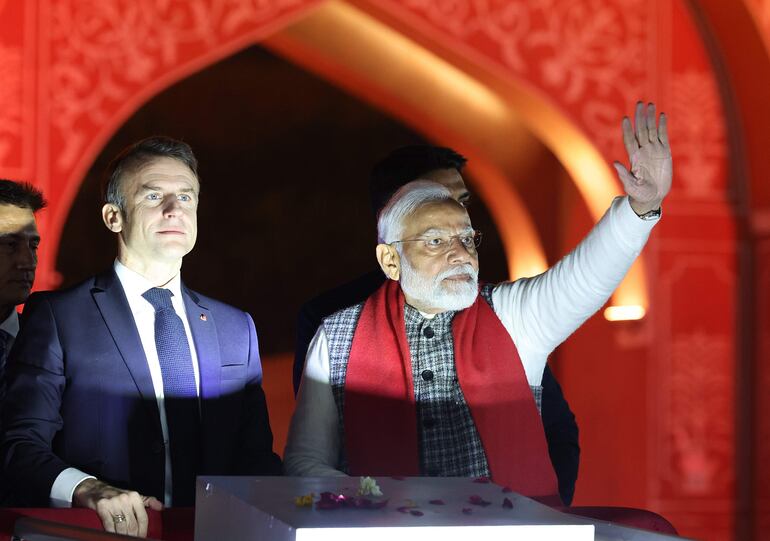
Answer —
(449, 442)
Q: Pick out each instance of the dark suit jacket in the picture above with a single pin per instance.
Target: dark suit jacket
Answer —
(561, 430)
(80, 394)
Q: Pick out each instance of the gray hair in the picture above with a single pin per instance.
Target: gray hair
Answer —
(410, 197)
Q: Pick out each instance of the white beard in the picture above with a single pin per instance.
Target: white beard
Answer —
(435, 293)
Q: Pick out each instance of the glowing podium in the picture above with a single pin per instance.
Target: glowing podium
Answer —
(416, 508)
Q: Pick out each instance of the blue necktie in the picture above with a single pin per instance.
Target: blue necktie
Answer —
(180, 395)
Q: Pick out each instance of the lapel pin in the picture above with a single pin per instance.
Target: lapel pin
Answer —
(203, 317)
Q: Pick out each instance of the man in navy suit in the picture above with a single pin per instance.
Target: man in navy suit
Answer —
(122, 389)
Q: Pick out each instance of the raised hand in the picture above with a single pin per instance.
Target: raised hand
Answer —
(649, 180)
(121, 511)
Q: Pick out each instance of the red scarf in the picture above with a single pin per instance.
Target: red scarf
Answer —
(380, 415)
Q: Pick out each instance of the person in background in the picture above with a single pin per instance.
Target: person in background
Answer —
(19, 240)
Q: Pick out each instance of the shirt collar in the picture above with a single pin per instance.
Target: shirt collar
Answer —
(134, 284)
(11, 324)
(410, 312)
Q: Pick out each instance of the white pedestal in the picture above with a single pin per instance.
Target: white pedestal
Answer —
(263, 509)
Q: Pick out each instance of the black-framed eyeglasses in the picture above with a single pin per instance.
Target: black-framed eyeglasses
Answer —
(439, 244)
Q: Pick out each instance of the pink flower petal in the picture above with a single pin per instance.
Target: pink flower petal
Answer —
(327, 501)
(478, 500)
(416, 513)
(507, 504)
(436, 502)
(403, 509)
(467, 510)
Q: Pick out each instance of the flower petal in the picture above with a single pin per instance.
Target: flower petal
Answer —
(478, 500)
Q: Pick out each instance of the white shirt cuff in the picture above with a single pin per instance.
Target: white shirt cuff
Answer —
(64, 486)
(632, 230)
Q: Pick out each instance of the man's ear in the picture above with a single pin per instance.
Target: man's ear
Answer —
(112, 217)
(389, 260)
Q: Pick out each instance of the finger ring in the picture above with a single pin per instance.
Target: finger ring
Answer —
(119, 518)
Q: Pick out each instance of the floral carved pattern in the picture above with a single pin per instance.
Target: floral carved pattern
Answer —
(590, 55)
(700, 418)
(700, 149)
(103, 51)
(10, 98)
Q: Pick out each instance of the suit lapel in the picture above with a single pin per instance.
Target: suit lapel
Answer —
(111, 300)
(204, 334)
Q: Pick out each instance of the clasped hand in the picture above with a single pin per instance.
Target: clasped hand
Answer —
(121, 511)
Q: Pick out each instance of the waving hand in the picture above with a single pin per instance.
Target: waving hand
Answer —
(649, 180)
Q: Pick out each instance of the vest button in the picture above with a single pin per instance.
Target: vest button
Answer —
(427, 375)
(428, 423)
(428, 332)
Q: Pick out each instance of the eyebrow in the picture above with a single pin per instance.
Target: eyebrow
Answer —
(151, 188)
(439, 231)
(17, 235)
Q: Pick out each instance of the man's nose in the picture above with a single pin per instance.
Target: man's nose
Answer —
(171, 206)
(457, 252)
